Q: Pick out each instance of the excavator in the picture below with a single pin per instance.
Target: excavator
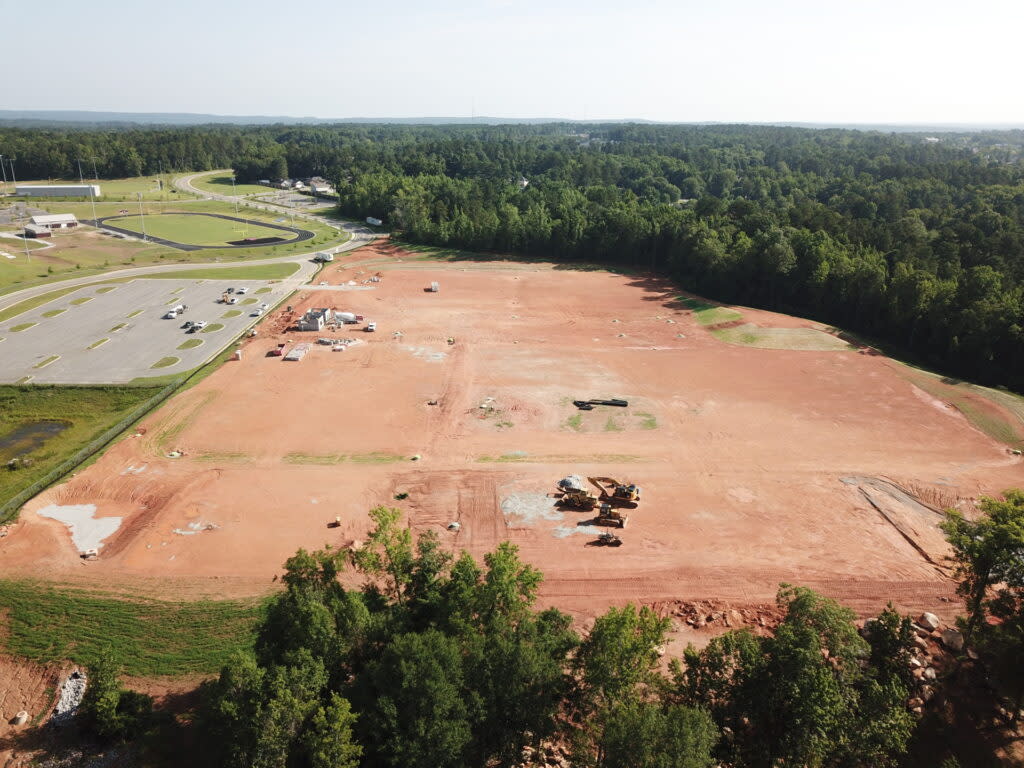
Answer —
(614, 493)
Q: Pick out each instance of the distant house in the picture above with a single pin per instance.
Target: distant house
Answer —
(299, 185)
(285, 183)
(322, 189)
(315, 319)
(57, 190)
(55, 221)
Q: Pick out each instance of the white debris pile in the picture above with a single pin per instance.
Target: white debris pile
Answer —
(71, 694)
(527, 509)
(196, 527)
(571, 483)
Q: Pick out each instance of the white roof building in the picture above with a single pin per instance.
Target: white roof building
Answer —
(55, 220)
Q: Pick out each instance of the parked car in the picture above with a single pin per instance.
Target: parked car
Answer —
(264, 306)
(230, 290)
(198, 325)
(371, 326)
(188, 325)
(172, 314)
(232, 300)
(277, 351)
(241, 290)
(256, 312)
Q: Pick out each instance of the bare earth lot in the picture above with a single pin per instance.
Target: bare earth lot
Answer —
(758, 466)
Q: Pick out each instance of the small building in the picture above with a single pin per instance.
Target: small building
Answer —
(324, 190)
(299, 185)
(285, 183)
(315, 319)
(35, 230)
(55, 221)
(57, 190)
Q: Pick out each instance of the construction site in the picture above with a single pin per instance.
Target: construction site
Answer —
(494, 401)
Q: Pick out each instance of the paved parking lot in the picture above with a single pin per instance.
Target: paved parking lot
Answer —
(115, 333)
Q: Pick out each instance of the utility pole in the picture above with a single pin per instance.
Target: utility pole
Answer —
(13, 177)
(4, 168)
(80, 179)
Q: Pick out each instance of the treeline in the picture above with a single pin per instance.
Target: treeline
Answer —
(899, 237)
(443, 663)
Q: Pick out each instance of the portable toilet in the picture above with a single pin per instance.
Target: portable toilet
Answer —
(435, 287)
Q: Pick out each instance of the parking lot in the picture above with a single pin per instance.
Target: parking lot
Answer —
(117, 332)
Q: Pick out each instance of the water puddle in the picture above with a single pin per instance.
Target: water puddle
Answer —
(87, 531)
(27, 437)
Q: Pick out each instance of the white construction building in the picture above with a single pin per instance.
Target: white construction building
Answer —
(56, 190)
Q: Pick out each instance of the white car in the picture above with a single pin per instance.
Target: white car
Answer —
(256, 312)
(232, 300)
(264, 306)
(198, 325)
(172, 314)
(371, 326)
(242, 290)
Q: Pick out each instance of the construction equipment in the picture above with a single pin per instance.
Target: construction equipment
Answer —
(608, 515)
(616, 493)
(578, 498)
(335, 523)
(607, 539)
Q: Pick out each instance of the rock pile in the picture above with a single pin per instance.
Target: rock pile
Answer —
(715, 614)
(71, 693)
(932, 658)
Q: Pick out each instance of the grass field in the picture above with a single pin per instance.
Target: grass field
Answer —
(255, 272)
(749, 335)
(220, 184)
(195, 230)
(709, 314)
(150, 638)
(86, 412)
(128, 189)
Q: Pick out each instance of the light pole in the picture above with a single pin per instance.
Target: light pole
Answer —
(4, 168)
(143, 215)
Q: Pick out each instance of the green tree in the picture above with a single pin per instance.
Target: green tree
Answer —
(648, 735)
(387, 553)
(109, 712)
(328, 741)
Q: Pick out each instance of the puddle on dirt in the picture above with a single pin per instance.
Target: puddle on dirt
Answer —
(87, 531)
(27, 437)
(564, 531)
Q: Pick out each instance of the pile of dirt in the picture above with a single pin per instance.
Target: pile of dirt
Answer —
(717, 616)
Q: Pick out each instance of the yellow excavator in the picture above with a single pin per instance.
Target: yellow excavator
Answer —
(614, 493)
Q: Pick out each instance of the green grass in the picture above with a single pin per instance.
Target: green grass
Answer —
(165, 362)
(220, 184)
(47, 361)
(647, 420)
(575, 422)
(231, 313)
(190, 343)
(136, 313)
(54, 312)
(709, 314)
(106, 289)
(88, 410)
(118, 327)
(99, 343)
(519, 457)
(254, 272)
(36, 301)
(326, 459)
(22, 327)
(212, 327)
(248, 301)
(195, 230)
(81, 300)
(808, 339)
(150, 638)
(612, 425)
(264, 289)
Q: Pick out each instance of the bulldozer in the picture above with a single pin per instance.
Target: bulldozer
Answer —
(608, 515)
(614, 493)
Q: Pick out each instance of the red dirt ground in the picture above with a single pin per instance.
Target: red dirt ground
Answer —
(741, 452)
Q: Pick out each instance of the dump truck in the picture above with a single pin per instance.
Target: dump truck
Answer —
(615, 493)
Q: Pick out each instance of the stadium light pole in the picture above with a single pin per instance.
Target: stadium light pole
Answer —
(143, 215)
(4, 168)
(80, 179)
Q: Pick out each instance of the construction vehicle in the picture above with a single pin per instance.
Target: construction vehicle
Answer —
(606, 539)
(615, 493)
(608, 515)
(579, 498)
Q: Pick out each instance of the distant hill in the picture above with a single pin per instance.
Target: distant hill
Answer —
(29, 118)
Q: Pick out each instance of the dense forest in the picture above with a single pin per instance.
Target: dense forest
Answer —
(437, 661)
(908, 239)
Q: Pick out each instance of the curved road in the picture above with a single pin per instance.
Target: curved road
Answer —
(360, 236)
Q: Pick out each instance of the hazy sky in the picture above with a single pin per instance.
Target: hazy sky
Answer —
(681, 60)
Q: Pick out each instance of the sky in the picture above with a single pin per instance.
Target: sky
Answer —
(833, 61)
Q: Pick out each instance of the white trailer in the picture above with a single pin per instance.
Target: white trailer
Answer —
(435, 287)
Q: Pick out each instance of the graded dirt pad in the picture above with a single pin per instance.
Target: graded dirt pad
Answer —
(758, 466)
